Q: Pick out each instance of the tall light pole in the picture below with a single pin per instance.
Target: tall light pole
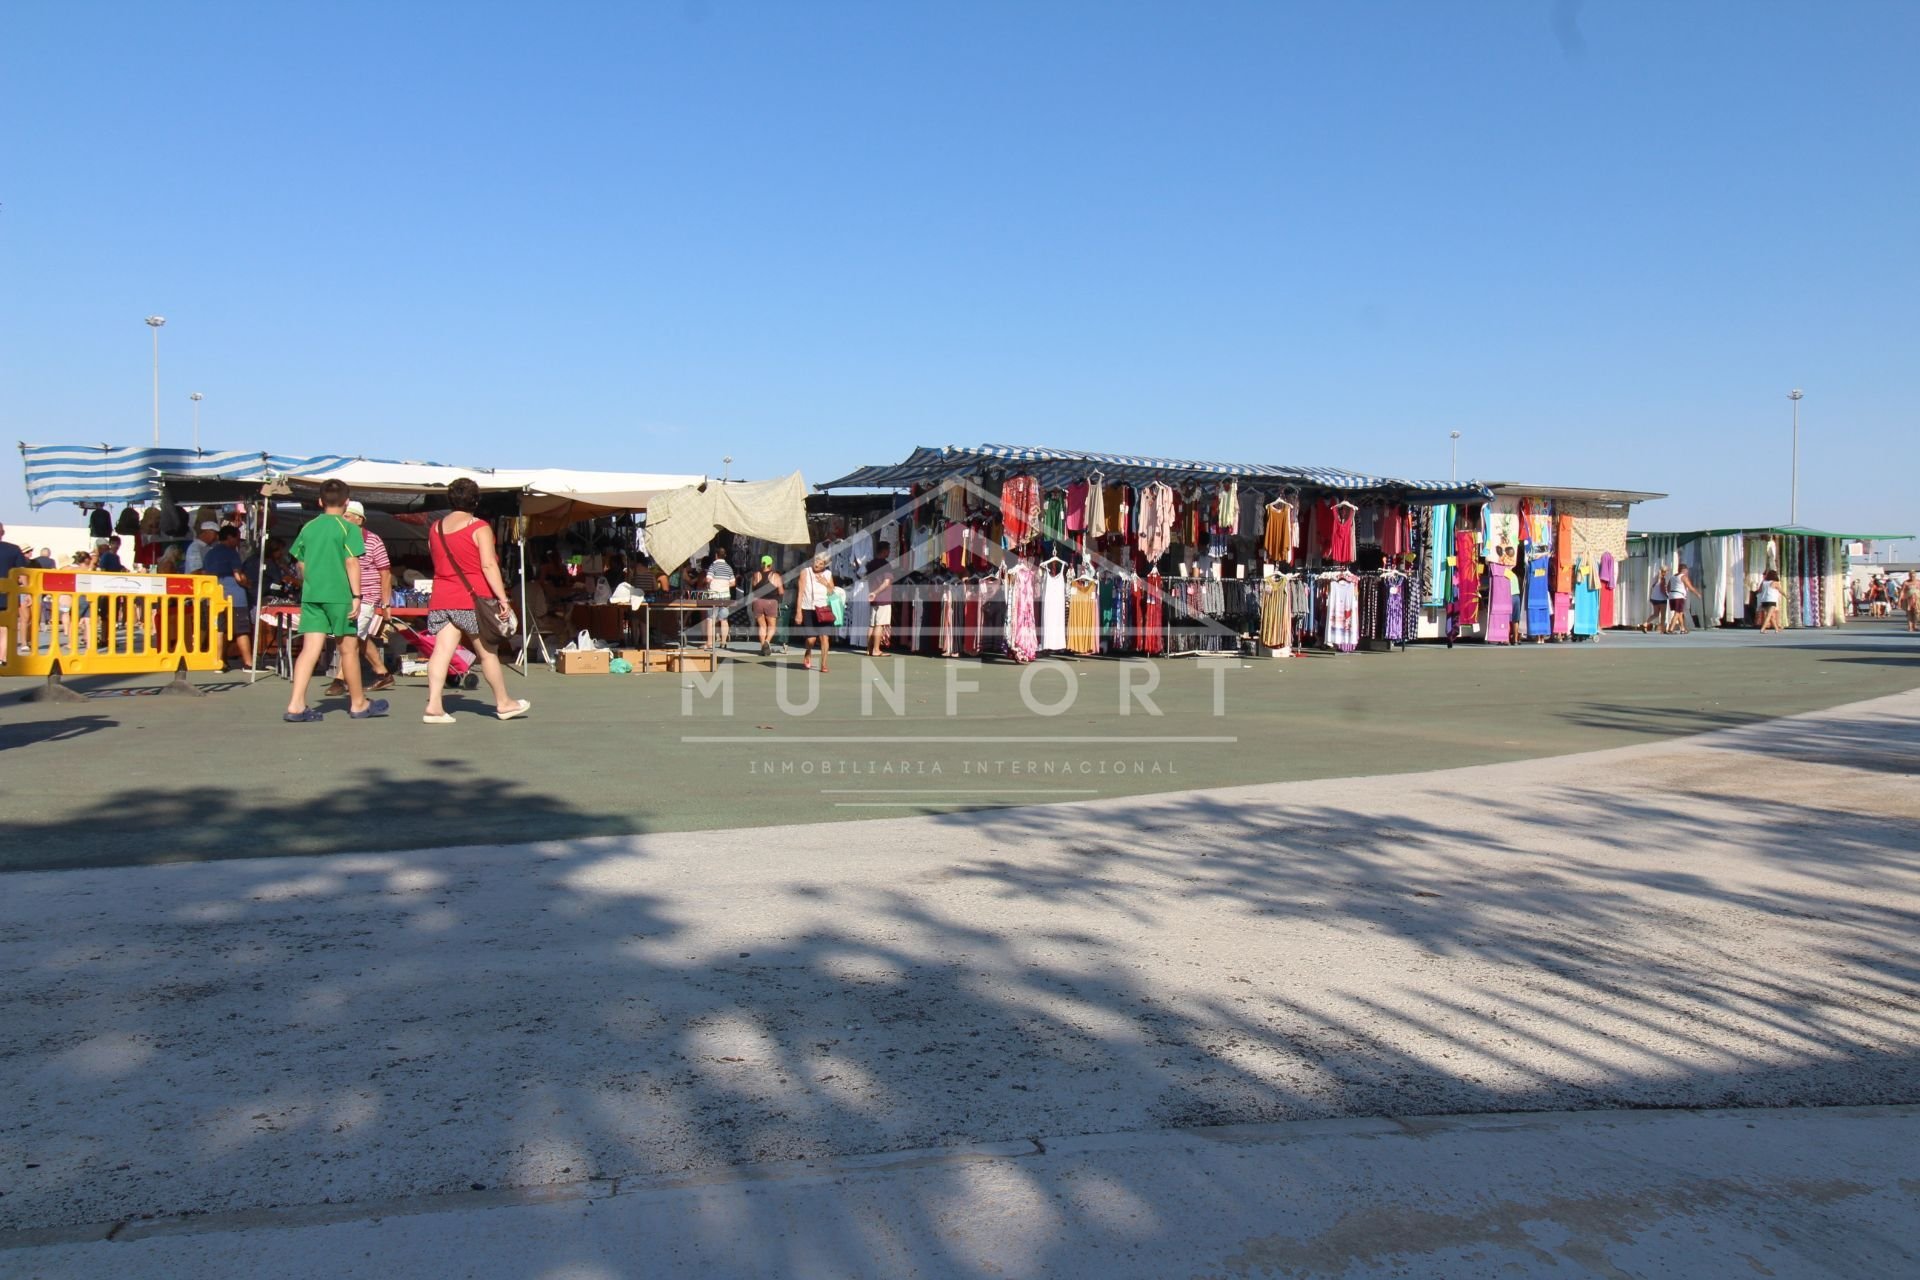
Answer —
(196, 397)
(1453, 468)
(1793, 511)
(727, 472)
(154, 323)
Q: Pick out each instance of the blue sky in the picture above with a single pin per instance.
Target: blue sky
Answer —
(1602, 240)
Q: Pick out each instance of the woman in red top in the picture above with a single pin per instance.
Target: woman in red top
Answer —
(464, 562)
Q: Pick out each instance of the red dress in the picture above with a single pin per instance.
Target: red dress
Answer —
(1340, 545)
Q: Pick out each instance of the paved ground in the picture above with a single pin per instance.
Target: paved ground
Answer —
(1723, 921)
(1824, 1193)
(133, 779)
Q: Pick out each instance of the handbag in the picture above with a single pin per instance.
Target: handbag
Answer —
(496, 622)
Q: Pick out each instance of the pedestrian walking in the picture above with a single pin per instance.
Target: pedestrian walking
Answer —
(329, 548)
(814, 609)
(376, 604)
(465, 561)
(1679, 589)
(767, 587)
(1656, 602)
(1770, 601)
(880, 592)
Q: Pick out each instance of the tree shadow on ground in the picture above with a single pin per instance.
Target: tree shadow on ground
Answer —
(360, 1027)
(208, 822)
(28, 733)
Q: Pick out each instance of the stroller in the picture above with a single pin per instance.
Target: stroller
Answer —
(460, 672)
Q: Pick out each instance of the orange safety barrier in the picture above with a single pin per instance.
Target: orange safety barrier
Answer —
(112, 623)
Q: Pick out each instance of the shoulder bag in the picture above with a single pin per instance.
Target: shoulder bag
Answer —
(493, 616)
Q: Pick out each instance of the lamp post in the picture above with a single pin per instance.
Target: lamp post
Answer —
(196, 397)
(1793, 510)
(726, 472)
(1453, 468)
(154, 323)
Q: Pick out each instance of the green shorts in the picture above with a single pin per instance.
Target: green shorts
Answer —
(325, 618)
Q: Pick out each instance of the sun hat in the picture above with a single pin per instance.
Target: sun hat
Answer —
(766, 562)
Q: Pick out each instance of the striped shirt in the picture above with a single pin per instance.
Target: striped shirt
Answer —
(370, 566)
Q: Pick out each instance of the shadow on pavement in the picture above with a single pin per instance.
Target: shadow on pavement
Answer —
(29, 733)
(362, 1027)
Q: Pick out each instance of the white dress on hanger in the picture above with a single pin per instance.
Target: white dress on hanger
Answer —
(859, 613)
(1053, 612)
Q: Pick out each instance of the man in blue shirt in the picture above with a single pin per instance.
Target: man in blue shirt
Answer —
(11, 558)
(223, 561)
(108, 561)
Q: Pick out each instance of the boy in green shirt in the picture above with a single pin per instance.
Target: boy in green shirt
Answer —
(329, 549)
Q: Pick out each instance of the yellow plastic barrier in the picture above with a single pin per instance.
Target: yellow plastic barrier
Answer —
(113, 623)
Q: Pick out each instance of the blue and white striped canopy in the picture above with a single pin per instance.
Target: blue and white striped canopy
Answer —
(118, 475)
(1057, 467)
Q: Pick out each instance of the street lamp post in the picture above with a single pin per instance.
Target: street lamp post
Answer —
(1793, 509)
(1453, 468)
(154, 323)
(727, 469)
(196, 397)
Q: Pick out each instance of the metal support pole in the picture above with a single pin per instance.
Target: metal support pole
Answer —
(259, 591)
(1793, 509)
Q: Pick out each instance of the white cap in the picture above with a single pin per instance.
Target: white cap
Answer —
(209, 526)
(355, 508)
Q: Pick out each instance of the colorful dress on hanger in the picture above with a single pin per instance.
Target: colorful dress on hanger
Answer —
(1343, 615)
(1083, 618)
(1022, 640)
(1539, 596)
(1466, 577)
(1341, 544)
(1020, 509)
(1053, 611)
(1156, 520)
(1153, 617)
(1499, 604)
(1276, 614)
(1586, 605)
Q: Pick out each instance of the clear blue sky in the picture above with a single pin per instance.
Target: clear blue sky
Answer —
(1600, 240)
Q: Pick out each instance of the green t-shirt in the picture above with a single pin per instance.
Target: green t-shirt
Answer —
(323, 547)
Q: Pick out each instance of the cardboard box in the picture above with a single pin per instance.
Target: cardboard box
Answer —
(643, 660)
(583, 662)
(690, 660)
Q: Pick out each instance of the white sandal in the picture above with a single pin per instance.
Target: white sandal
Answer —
(520, 709)
(442, 718)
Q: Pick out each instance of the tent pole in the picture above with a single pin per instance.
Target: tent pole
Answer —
(526, 623)
(259, 592)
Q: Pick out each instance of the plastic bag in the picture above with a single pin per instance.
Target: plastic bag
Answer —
(620, 667)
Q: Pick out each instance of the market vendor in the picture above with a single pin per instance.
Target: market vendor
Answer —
(561, 587)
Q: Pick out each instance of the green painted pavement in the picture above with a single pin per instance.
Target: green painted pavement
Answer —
(128, 778)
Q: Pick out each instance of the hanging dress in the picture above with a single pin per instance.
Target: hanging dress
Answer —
(1539, 597)
(1343, 615)
(1083, 618)
(1466, 577)
(1053, 611)
(1022, 641)
(1499, 604)
(1341, 544)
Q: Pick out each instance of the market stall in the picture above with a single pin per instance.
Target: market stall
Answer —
(1730, 568)
(1022, 551)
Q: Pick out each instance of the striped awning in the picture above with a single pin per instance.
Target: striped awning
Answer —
(116, 474)
(1058, 467)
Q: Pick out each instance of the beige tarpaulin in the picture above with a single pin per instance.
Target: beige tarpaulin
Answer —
(681, 521)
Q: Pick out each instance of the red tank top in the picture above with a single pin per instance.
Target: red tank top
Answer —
(448, 591)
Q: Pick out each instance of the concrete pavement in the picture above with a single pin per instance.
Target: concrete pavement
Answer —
(139, 780)
(1802, 1193)
(1722, 921)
